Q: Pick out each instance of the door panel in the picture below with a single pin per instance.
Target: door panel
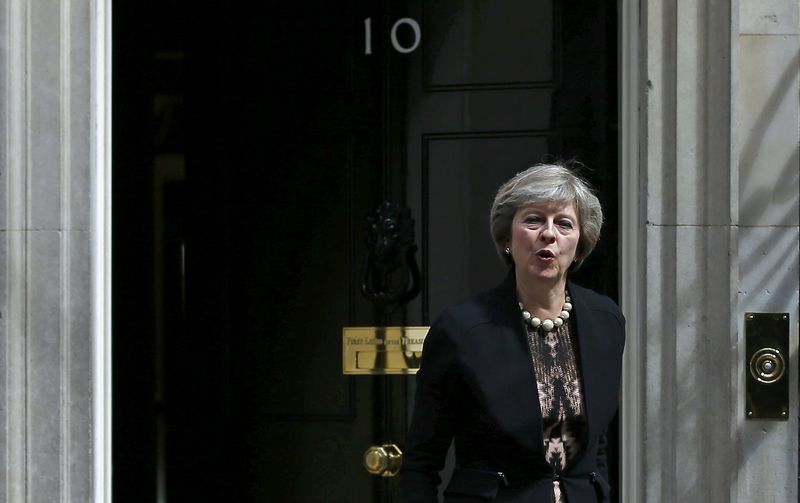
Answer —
(487, 45)
(497, 87)
(459, 174)
(480, 102)
(302, 170)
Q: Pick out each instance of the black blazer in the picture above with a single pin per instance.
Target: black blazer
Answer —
(476, 385)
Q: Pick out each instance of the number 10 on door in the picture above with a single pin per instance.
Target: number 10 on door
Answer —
(393, 35)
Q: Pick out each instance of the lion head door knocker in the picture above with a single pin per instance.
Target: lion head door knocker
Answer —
(391, 275)
(390, 279)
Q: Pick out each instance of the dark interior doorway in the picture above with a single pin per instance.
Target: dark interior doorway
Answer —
(250, 141)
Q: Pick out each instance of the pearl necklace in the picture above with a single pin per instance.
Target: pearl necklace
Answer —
(547, 324)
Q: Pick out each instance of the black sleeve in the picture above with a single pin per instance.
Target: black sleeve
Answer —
(432, 423)
(602, 457)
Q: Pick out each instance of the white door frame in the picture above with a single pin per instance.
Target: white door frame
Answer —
(631, 246)
(101, 249)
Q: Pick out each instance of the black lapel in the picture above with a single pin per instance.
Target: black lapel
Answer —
(508, 315)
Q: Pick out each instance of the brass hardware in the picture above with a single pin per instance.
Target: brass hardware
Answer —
(766, 358)
(383, 460)
(382, 350)
(767, 365)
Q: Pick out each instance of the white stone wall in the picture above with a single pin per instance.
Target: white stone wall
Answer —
(52, 132)
(766, 47)
(719, 196)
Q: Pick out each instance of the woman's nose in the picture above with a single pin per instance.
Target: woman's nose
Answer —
(548, 232)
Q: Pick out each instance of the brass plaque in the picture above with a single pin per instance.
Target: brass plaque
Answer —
(767, 365)
(382, 350)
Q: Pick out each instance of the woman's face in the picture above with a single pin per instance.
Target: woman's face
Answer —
(544, 239)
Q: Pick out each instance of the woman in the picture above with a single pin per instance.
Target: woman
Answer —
(524, 377)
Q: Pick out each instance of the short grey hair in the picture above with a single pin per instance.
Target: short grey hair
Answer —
(546, 183)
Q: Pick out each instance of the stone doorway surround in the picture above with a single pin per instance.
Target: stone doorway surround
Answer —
(710, 128)
(55, 402)
(709, 154)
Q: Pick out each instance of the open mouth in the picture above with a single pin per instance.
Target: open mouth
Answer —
(545, 254)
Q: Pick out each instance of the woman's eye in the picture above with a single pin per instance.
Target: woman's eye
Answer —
(532, 219)
(566, 224)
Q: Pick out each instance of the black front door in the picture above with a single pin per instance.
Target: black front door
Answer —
(296, 122)
(287, 158)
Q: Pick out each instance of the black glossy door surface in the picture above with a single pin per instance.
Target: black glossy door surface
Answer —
(251, 141)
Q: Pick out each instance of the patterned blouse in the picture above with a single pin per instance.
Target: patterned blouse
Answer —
(560, 396)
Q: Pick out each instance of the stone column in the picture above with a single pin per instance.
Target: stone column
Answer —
(54, 296)
(689, 335)
(719, 236)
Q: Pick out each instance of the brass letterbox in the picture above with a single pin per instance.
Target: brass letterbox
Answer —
(382, 350)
